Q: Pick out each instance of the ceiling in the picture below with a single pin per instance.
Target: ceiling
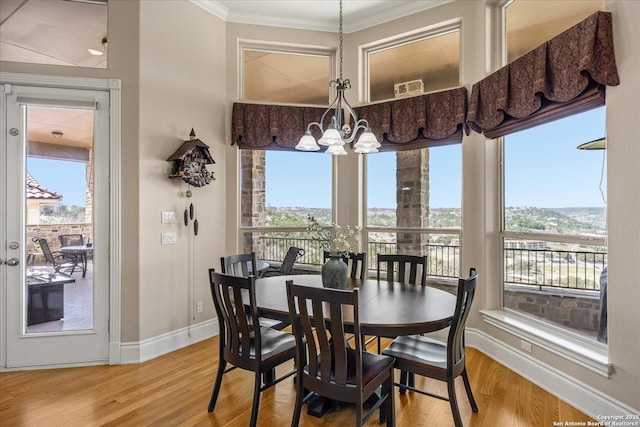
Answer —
(60, 32)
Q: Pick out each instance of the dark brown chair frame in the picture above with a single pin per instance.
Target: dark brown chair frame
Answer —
(242, 344)
(335, 370)
(62, 263)
(413, 352)
(242, 265)
(358, 260)
(401, 263)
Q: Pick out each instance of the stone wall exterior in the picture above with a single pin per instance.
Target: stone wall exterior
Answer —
(412, 199)
(51, 232)
(253, 197)
(572, 309)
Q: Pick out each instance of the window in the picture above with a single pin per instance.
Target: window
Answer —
(554, 201)
(554, 230)
(419, 191)
(528, 23)
(281, 188)
(430, 62)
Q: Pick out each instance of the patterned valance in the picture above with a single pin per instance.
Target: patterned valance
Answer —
(562, 76)
(421, 121)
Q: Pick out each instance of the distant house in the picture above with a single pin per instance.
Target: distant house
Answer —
(37, 196)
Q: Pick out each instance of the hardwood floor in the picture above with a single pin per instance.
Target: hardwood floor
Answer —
(174, 390)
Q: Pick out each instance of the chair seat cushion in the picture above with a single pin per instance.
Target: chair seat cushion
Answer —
(275, 342)
(372, 365)
(419, 349)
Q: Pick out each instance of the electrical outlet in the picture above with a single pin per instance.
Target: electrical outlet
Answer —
(199, 307)
(169, 238)
(526, 346)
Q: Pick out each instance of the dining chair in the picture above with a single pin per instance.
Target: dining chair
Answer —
(62, 263)
(245, 265)
(244, 342)
(335, 370)
(242, 265)
(401, 268)
(292, 255)
(443, 361)
(357, 263)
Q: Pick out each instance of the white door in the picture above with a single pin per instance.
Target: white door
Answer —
(55, 318)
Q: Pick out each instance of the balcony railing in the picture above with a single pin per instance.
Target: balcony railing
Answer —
(443, 260)
(554, 268)
(532, 267)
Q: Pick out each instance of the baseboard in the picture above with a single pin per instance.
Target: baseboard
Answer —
(138, 352)
(572, 391)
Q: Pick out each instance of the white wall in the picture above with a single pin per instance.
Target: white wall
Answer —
(182, 86)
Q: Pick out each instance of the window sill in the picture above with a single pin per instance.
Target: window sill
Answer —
(586, 353)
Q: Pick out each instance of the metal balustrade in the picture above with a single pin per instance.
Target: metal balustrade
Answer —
(539, 268)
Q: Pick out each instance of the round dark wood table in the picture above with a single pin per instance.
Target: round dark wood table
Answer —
(387, 309)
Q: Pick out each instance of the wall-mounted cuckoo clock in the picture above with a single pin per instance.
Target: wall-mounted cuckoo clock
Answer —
(190, 162)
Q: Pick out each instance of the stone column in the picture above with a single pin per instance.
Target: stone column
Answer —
(253, 198)
(412, 198)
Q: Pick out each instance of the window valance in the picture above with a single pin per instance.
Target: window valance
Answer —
(563, 76)
(421, 121)
(418, 122)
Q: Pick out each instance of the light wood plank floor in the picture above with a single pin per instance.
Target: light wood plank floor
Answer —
(174, 390)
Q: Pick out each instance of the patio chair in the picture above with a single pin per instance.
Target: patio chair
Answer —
(243, 341)
(62, 263)
(444, 361)
(287, 264)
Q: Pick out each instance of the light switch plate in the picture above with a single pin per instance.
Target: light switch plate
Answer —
(168, 217)
(169, 238)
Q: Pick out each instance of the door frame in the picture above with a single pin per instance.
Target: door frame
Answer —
(113, 86)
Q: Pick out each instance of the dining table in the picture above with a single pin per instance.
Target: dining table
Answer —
(83, 251)
(386, 309)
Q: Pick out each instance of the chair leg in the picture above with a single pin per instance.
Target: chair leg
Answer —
(389, 413)
(453, 402)
(222, 365)
(256, 400)
(403, 381)
(467, 386)
(300, 393)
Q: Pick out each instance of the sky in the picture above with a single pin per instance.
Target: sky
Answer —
(63, 177)
(562, 175)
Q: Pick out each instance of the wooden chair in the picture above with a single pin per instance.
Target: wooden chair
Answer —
(334, 369)
(62, 263)
(398, 266)
(287, 264)
(242, 265)
(443, 361)
(356, 261)
(243, 342)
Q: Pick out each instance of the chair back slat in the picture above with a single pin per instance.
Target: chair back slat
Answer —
(242, 265)
(289, 259)
(326, 309)
(410, 269)
(356, 263)
(455, 341)
(234, 298)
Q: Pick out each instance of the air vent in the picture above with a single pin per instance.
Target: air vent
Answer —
(412, 87)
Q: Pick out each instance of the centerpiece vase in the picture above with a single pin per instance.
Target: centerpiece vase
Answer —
(334, 273)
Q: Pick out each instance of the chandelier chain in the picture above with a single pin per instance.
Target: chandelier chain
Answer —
(340, 39)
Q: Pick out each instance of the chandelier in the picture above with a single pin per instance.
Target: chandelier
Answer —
(338, 134)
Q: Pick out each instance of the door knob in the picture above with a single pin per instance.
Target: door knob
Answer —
(12, 262)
